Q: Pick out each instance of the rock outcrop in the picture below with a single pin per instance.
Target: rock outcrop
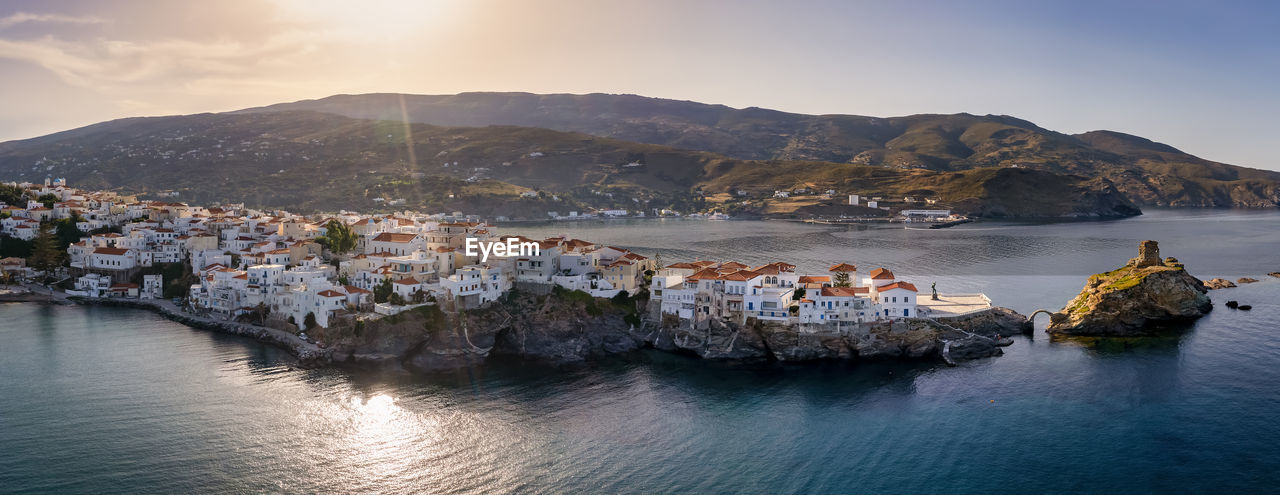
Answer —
(973, 336)
(569, 328)
(1246, 280)
(1218, 283)
(1135, 299)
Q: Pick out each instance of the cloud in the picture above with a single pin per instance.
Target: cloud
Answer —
(112, 64)
(27, 17)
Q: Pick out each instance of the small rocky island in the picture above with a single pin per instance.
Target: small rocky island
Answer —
(1136, 299)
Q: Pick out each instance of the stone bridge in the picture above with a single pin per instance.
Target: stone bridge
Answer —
(1038, 311)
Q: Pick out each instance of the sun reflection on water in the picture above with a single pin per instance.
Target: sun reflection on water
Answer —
(383, 440)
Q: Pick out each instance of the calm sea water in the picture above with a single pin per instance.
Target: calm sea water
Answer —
(100, 400)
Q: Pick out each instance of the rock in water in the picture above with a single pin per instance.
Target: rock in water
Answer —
(1134, 299)
(1274, 274)
(1246, 280)
(1232, 304)
(1245, 307)
(1218, 283)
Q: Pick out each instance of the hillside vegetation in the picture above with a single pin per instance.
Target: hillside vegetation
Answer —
(317, 161)
(522, 155)
(1147, 172)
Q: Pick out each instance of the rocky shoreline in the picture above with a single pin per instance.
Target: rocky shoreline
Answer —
(19, 293)
(307, 353)
(555, 331)
(1142, 297)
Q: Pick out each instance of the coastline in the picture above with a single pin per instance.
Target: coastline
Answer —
(549, 340)
(306, 352)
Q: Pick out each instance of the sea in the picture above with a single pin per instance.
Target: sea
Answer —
(114, 400)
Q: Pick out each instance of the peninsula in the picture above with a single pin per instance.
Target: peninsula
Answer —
(439, 291)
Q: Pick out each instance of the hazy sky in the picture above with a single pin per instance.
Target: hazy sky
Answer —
(1201, 76)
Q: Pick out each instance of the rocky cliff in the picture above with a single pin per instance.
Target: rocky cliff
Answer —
(976, 336)
(1136, 299)
(569, 327)
(564, 327)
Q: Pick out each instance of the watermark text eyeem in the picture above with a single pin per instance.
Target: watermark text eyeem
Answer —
(511, 246)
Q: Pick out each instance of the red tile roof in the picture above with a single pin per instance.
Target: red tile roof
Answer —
(897, 285)
(842, 267)
(740, 276)
(395, 237)
(882, 274)
(843, 291)
(705, 275)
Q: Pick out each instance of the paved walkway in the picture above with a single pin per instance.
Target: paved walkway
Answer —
(952, 304)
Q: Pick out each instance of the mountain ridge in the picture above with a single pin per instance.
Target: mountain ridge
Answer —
(315, 161)
(656, 153)
(1151, 173)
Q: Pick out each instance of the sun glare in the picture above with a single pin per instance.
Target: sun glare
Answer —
(371, 19)
(377, 409)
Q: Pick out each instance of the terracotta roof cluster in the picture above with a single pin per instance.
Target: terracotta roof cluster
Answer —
(775, 268)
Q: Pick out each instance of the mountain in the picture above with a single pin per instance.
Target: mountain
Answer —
(310, 160)
(1147, 172)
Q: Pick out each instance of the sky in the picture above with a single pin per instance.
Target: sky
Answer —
(1201, 76)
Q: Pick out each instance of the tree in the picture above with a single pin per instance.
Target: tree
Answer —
(261, 311)
(396, 299)
(339, 237)
(66, 230)
(309, 322)
(13, 195)
(45, 254)
(382, 292)
(47, 200)
(799, 293)
(14, 247)
(620, 298)
(842, 279)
